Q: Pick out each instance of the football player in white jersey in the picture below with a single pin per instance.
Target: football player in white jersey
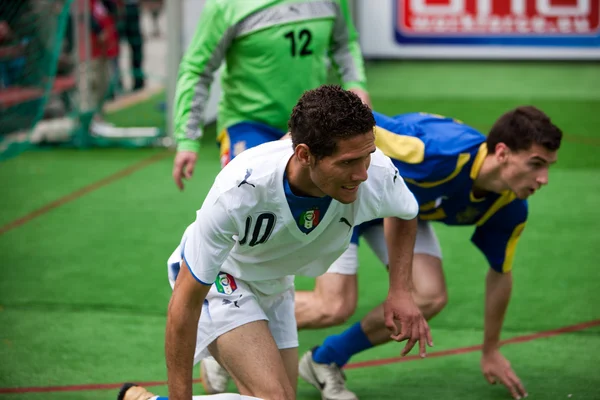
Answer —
(281, 209)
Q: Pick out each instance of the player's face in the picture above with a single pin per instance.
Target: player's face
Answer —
(340, 174)
(526, 171)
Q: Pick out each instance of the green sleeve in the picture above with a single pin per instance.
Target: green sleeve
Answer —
(202, 58)
(345, 51)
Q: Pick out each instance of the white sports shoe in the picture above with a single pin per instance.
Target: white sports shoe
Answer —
(327, 378)
(214, 377)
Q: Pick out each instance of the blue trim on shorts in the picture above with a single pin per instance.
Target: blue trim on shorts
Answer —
(251, 134)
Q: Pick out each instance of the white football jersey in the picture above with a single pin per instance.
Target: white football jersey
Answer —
(245, 226)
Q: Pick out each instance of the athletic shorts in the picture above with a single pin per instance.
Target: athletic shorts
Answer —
(347, 264)
(231, 303)
(245, 135)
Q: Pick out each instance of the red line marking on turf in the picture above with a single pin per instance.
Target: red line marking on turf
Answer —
(84, 190)
(470, 349)
(362, 364)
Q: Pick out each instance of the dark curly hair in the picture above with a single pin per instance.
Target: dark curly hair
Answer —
(523, 126)
(327, 114)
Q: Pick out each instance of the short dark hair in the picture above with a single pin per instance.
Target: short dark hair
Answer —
(522, 127)
(326, 114)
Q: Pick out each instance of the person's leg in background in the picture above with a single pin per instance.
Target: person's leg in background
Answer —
(155, 7)
(99, 85)
(134, 37)
(331, 303)
(333, 298)
(116, 86)
(430, 295)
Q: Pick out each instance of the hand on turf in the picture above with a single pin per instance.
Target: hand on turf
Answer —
(401, 310)
(496, 368)
(183, 166)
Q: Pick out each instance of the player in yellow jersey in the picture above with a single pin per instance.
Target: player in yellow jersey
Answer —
(459, 177)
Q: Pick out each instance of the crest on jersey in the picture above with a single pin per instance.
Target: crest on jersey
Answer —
(310, 218)
(225, 283)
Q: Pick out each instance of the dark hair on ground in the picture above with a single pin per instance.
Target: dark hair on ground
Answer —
(327, 114)
(522, 127)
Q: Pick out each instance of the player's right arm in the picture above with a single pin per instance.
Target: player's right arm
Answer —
(207, 245)
(202, 58)
(182, 325)
(399, 208)
(497, 238)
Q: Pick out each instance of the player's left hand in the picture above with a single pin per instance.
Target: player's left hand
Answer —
(413, 326)
(495, 367)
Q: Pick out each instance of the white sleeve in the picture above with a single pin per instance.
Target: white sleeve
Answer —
(397, 200)
(209, 240)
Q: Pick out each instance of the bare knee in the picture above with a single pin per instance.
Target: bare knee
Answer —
(432, 304)
(327, 309)
(337, 295)
(430, 286)
(332, 302)
(337, 311)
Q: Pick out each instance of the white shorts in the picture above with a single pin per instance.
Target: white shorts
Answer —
(231, 303)
(426, 243)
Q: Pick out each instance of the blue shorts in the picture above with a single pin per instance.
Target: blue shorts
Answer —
(358, 230)
(245, 135)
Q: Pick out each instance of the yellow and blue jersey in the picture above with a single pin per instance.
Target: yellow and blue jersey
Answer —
(439, 158)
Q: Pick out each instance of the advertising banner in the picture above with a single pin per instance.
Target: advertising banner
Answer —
(562, 29)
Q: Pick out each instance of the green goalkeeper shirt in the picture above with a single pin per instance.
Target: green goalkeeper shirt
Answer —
(273, 51)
